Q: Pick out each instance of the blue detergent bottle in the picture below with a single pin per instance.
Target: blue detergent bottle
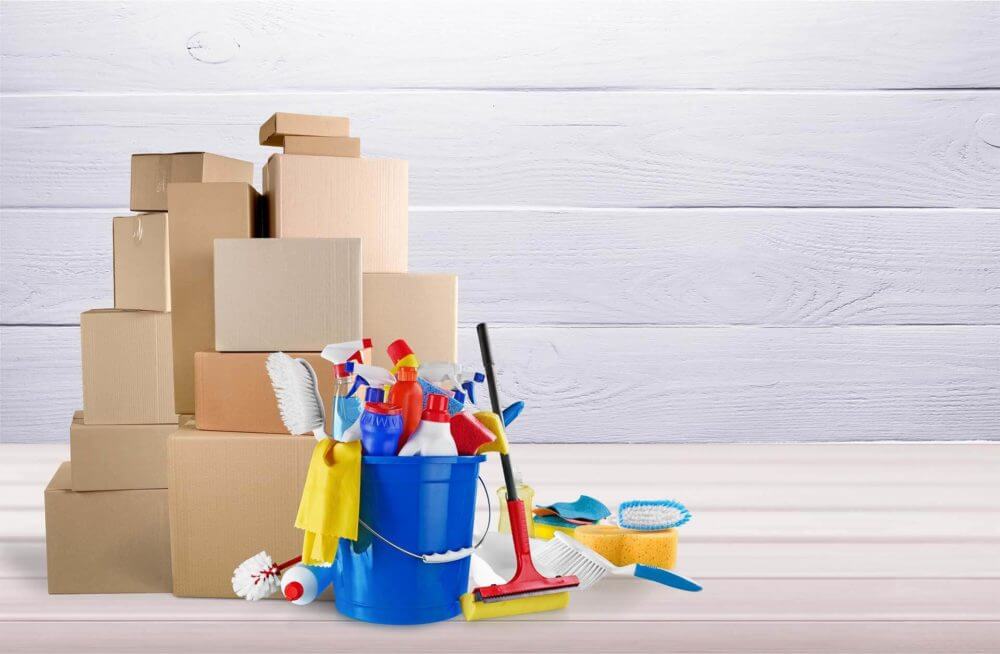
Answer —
(381, 425)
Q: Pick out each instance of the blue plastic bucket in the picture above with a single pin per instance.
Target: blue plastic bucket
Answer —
(424, 504)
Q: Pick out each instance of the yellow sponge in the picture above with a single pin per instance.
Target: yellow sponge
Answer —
(625, 547)
(473, 610)
(547, 532)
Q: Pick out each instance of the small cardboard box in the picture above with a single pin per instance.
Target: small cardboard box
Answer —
(118, 457)
(420, 308)
(127, 371)
(151, 173)
(341, 197)
(328, 146)
(296, 294)
(106, 541)
(142, 262)
(231, 496)
(280, 125)
(233, 391)
(199, 214)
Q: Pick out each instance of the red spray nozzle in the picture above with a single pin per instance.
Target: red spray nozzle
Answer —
(437, 408)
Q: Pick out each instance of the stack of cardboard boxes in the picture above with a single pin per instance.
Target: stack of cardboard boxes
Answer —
(201, 300)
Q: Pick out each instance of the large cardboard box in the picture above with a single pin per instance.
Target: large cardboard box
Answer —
(336, 197)
(151, 173)
(142, 262)
(233, 391)
(421, 308)
(127, 371)
(286, 294)
(280, 125)
(326, 146)
(199, 214)
(118, 457)
(231, 496)
(106, 541)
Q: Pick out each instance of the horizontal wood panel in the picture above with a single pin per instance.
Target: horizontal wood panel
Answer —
(559, 636)
(800, 599)
(212, 47)
(675, 266)
(656, 385)
(641, 149)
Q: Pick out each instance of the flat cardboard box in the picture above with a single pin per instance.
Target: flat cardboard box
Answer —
(142, 262)
(118, 457)
(127, 371)
(293, 294)
(326, 146)
(199, 214)
(338, 197)
(233, 391)
(280, 125)
(421, 308)
(106, 541)
(151, 173)
(231, 496)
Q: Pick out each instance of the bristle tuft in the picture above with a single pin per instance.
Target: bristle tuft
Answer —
(295, 391)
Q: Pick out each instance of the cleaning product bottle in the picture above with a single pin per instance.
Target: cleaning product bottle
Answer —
(301, 584)
(468, 433)
(433, 436)
(524, 492)
(346, 408)
(371, 376)
(401, 354)
(409, 397)
(380, 424)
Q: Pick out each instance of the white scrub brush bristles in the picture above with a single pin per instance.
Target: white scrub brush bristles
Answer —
(652, 515)
(563, 556)
(299, 402)
(256, 578)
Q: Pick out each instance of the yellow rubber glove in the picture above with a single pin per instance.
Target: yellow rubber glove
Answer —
(331, 499)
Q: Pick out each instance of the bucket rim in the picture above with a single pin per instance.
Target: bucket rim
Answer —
(418, 460)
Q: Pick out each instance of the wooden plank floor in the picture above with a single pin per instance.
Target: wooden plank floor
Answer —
(801, 548)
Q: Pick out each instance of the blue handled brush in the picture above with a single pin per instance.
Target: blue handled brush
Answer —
(563, 555)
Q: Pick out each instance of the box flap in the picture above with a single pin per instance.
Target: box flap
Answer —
(62, 480)
(275, 128)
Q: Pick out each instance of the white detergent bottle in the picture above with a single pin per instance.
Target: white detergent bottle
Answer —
(433, 436)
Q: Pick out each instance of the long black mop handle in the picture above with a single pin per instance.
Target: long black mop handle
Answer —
(491, 384)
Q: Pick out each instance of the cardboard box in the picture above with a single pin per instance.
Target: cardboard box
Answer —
(337, 197)
(199, 214)
(106, 541)
(280, 125)
(118, 457)
(127, 371)
(421, 308)
(296, 294)
(151, 173)
(142, 262)
(328, 146)
(231, 496)
(233, 391)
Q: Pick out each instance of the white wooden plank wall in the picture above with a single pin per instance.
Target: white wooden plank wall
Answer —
(771, 221)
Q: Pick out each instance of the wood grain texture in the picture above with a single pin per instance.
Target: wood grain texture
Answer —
(212, 47)
(896, 591)
(656, 267)
(624, 149)
(681, 384)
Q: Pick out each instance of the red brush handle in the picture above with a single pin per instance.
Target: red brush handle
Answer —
(289, 563)
(519, 533)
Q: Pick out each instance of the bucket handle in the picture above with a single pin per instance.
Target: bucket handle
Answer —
(441, 557)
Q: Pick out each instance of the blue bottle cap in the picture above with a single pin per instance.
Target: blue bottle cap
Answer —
(374, 395)
(349, 366)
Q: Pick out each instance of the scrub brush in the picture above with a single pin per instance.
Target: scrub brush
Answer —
(297, 390)
(563, 555)
(258, 577)
(652, 515)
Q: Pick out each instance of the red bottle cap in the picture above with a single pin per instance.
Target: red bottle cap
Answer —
(383, 408)
(437, 408)
(293, 591)
(397, 350)
(406, 373)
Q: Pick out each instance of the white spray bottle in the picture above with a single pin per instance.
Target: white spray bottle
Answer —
(365, 375)
(345, 407)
